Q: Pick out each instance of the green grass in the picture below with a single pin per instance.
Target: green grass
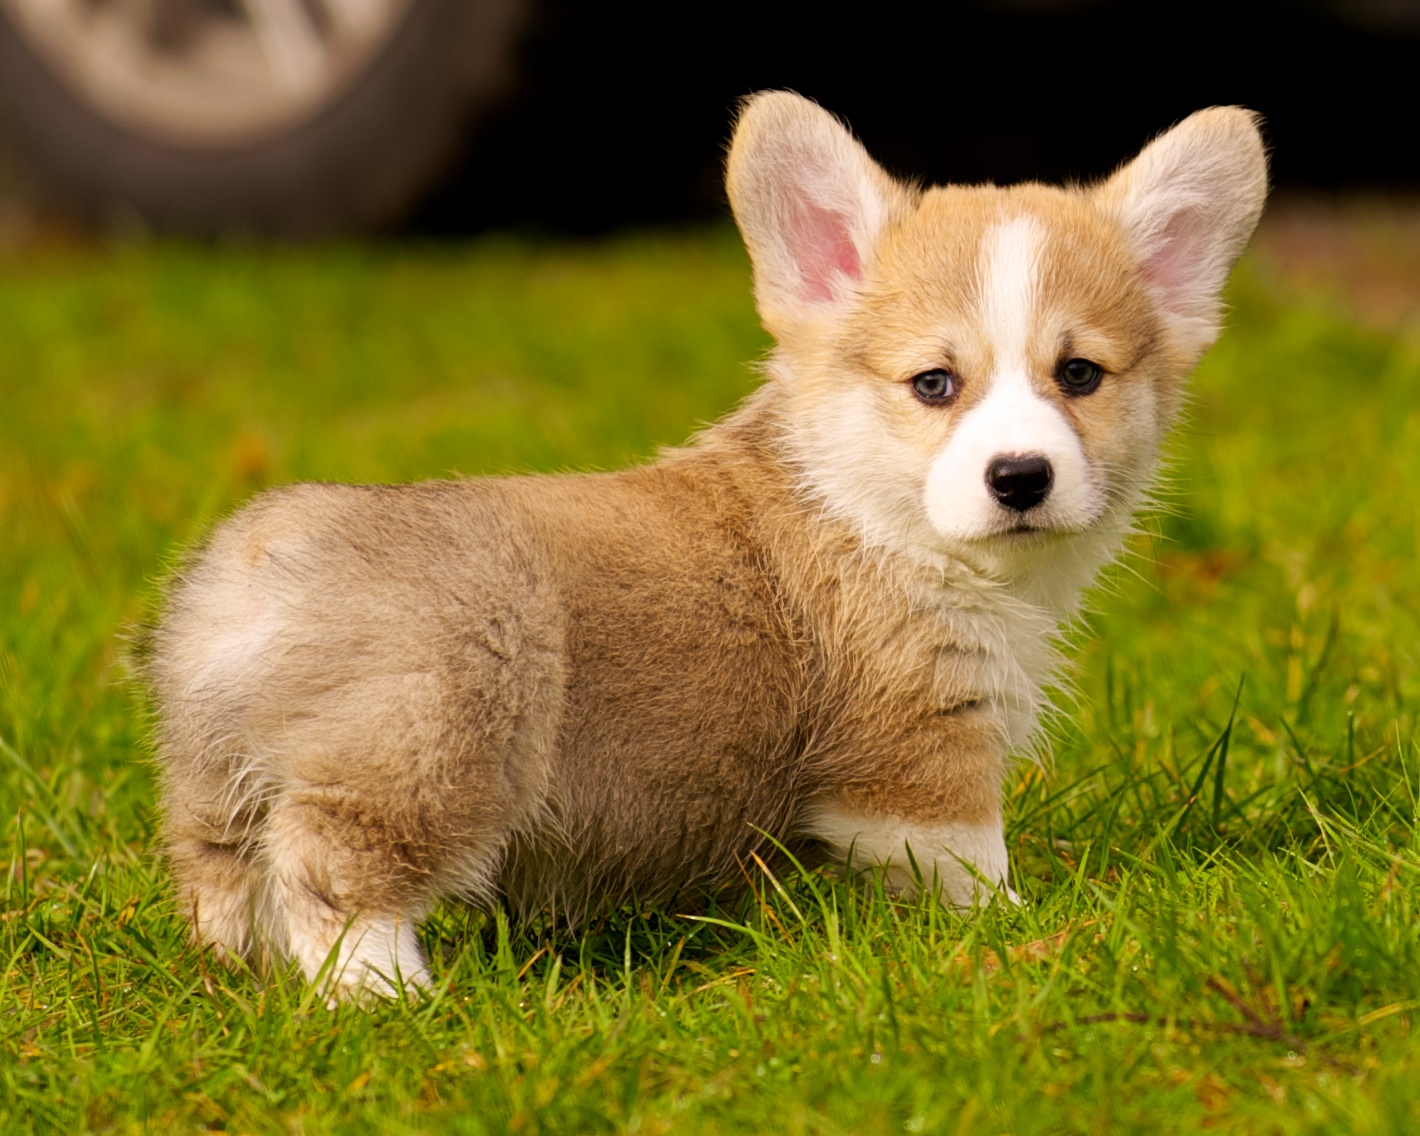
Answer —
(1220, 866)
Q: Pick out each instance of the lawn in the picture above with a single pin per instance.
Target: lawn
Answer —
(1219, 863)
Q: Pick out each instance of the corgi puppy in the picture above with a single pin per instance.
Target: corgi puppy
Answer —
(827, 620)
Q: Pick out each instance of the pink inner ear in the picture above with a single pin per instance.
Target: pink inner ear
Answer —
(822, 247)
(1174, 267)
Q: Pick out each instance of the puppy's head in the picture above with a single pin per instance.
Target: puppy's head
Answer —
(982, 371)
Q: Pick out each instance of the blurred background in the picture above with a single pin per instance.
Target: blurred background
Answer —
(307, 118)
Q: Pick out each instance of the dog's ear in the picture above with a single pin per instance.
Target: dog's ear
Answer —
(1189, 202)
(810, 203)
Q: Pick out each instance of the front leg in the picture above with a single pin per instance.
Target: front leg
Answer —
(965, 860)
(929, 793)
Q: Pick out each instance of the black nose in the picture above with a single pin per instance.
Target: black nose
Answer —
(1020, 483)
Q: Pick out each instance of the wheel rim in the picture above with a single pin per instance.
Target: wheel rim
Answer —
(207, 72)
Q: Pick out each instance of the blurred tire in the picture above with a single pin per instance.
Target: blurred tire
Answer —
(225, 116)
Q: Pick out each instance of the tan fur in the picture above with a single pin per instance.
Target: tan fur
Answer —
(568, 691)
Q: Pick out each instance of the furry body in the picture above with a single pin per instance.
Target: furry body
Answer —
(812, 622)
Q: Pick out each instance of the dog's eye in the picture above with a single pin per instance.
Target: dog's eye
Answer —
(1079, 376)
(935, 386)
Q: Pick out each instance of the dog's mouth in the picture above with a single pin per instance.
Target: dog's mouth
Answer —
(1030, 526)
(1038, 527)
(1024, 532)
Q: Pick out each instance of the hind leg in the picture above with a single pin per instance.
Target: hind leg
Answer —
(213, 857)
(217, 887)
(349, 881)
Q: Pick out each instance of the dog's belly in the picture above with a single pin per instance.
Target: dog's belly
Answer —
(653, 839)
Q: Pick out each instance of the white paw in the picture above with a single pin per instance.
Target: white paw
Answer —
(374, 957)
(966, 862)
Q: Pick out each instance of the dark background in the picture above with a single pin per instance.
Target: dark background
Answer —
(620, 112)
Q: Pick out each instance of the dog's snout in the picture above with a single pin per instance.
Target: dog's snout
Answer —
(1019, 482)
